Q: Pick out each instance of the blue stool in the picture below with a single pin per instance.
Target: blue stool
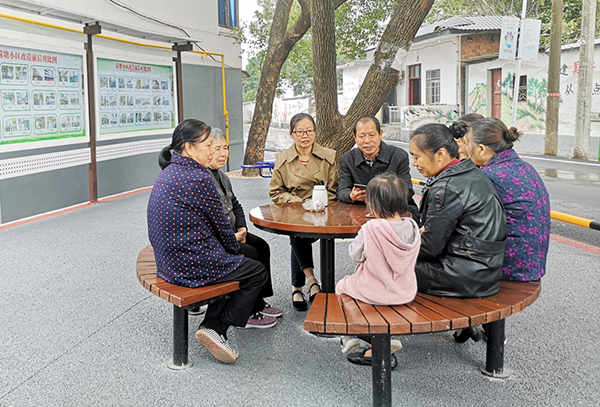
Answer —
(263, 165)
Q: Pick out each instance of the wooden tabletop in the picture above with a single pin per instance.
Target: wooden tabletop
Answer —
(338, 219)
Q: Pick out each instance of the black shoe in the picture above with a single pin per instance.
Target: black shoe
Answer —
(359, 358)
(468, 333)
(299, 305)
(311, 298)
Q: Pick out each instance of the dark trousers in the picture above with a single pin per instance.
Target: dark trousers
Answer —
(236, 309)
(302, 258)
(258, 249)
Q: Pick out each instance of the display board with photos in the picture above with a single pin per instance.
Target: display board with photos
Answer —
(42, 95)
(134, 97)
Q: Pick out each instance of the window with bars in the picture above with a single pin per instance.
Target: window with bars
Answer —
(228, 13)
(414, 84)
(433, 86)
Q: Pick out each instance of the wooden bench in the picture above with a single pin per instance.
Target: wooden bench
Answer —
(342, 315)
(182, 298)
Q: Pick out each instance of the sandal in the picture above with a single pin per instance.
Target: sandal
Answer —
(299, 305)
(311, 297)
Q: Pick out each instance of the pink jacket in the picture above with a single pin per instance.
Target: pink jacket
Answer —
(386, 253)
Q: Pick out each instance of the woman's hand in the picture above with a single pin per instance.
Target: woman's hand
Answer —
(241, 235)
(422, 229)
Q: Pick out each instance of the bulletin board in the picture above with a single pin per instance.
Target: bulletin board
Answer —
(42, 96)
(134, 97)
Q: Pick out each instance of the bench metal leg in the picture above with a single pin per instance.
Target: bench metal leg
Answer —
(494, 361)
(180, 359)
(328, 265)
(382, 370)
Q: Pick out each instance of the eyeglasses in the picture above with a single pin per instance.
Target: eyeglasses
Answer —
(299, 133)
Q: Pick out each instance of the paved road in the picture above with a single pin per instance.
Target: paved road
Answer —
(574, 186)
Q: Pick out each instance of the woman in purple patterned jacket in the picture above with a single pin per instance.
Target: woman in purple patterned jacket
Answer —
(522, 193)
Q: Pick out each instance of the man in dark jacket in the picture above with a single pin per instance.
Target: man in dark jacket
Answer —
(371, 158)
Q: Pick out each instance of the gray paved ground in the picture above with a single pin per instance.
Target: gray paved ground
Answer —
(78, 329)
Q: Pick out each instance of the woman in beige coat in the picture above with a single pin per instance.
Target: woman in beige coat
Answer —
(297, 170)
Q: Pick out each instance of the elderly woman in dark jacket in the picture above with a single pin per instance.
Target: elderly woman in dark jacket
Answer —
(463, 221)
(252, 246)
(193, 242)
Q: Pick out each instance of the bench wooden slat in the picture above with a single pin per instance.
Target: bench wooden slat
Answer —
(398, 325)
(476, 316)
(457, 320)
(502, 309)
(377, 324)
(418, 322)
(335, 321)
(315, 319)
(438, 321)
(529, 287)
(357, 324)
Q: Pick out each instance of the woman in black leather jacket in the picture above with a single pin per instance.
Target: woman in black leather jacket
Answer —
(463, 221)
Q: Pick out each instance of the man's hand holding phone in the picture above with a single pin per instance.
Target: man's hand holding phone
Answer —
(359, 193)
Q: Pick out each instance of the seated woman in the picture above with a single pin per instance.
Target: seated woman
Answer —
(522, 193)
(194, 244)
(463, 233)
(252, 246)
(297, 170)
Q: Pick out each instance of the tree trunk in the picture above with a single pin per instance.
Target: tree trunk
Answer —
(329, 120)
(281, 43)
(335, 130)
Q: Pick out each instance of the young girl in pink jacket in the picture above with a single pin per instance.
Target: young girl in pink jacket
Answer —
(386, 250)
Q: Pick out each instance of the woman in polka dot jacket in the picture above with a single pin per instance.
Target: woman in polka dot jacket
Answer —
(194, 244)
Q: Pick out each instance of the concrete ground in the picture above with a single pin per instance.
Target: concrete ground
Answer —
(77, 329)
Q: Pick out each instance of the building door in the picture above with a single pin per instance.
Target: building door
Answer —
(497, 93)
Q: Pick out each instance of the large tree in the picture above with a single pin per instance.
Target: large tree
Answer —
(335, 129)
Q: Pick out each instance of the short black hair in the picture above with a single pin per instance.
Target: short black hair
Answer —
(300, 116)
(367, 119)
(387, 195)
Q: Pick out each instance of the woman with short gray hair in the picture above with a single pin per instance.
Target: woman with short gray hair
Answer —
(253, 247)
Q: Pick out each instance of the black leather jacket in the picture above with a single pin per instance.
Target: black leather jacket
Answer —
(462, 245)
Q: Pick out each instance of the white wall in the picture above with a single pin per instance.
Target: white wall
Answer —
(432, 54)
(477, 75)
(198, 18)
(353, 78)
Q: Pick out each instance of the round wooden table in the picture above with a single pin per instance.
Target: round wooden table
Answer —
(339, 220)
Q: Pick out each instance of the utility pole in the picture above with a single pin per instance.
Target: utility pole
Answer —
(519, 59)
(584, 83)
(552, 102)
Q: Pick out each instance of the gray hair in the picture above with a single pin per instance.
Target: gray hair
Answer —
(218, 134)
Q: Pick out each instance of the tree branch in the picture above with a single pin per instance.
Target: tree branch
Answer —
(389, 57)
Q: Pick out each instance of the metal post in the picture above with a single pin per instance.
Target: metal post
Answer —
(552, 102)
(92, 30)
(381, 366)
(518, 71)
(178, 76)
(180, 359)
(494, 360)
(584, 82)
(328, 265)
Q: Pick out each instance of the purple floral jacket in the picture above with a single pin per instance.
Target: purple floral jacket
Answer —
(527, 205)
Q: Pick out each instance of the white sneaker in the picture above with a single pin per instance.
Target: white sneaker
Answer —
(198, 311)
(349, 343)
(217, 345)
(395, 345)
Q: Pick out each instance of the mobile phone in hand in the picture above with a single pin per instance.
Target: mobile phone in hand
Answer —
(360, 186)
